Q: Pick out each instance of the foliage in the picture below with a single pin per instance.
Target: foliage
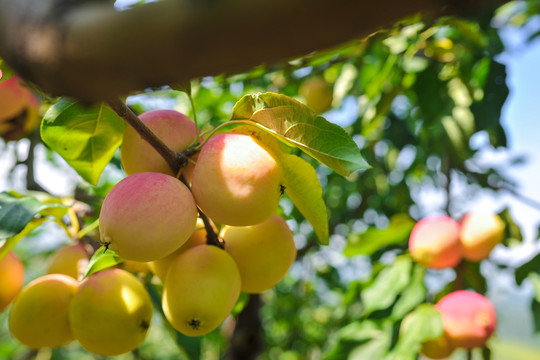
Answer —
(407, 102)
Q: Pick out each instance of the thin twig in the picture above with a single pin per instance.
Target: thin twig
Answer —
(171, 157)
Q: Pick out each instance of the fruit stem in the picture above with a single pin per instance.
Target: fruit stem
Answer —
(211, 237)
(173, 159)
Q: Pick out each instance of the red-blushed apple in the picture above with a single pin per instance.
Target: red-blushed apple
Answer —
(469, 319)
(147, 216)
(236, 180)
(19, 109)
(11, 278)
(480, 232)
(434, 242)
(175, 129)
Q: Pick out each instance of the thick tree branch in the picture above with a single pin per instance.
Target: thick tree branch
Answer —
(89, 50)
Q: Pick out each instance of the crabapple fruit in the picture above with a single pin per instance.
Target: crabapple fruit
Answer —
(39, 316)
(200, 290)
(11, 278)
(147, 216)
(263, 252)
(236, 180)
(161, 266)
(70, 260)
(480, 232)
(175, 129)
(111, 312)
(317, 93)
(434, 242)
(468, 318)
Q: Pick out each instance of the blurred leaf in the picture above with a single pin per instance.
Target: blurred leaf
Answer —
(8, 244)
(512, 230)
(102, 259)
(85, 137)
(5, 71)
(535, 308)
(472, 277)
(412, 296)
(303, 188)
(373, 239)
(362, 340)
(487, 111)
(524, 270)
(183, 87)
(424, 323)
(294, 123)
(389, 283)
(16, 211)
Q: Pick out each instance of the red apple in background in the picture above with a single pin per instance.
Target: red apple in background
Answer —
(468, 318)
(480, 232)
(434, 242)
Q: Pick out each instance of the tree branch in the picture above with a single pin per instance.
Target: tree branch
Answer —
(91, 51)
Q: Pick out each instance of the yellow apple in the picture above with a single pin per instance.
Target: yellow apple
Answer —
(70, 260)
(200, 290)
(434, 242)
(161, 267)
(480, 232)
(39, 316)
(317, 93)
(175, 129)
(263, 252)
(236, 180)
(147, 216)
(11, 278)
(111, 312)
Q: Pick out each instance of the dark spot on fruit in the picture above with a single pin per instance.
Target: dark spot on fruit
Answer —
(282, 189)
(145, 324)
(194, 323)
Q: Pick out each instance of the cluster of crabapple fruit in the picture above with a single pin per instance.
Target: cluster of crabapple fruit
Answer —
(440, 242)
(19, 109)
(167, 223)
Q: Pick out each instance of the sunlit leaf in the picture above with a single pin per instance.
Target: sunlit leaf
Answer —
(85, 137)
(303, 188)
(362, 340)
(102, 259)
(294, 123)
(412, 296)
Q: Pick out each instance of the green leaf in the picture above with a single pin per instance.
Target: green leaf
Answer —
(85, 137)
(295, 124)
(303, 188)
(362, 340)
(423, 324)
(512, 231)
(6, 72)
(102, 259)
(524, 270)
(388, 284)
(16, 211)
(413, 295)
(10, 243)
(373, 239)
